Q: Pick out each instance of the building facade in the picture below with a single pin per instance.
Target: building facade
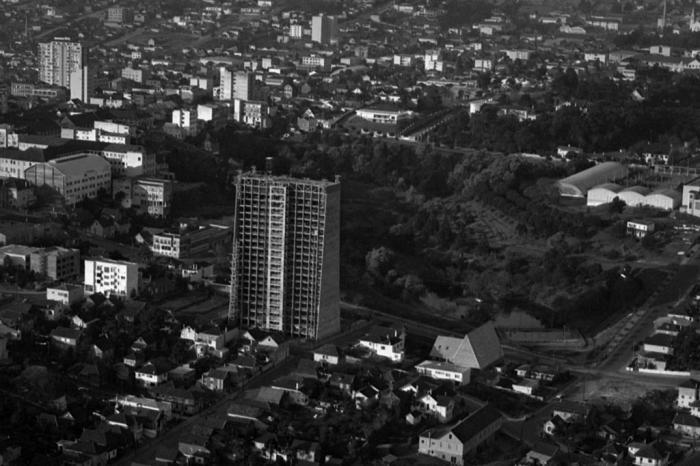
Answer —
(285, 264)
(324, 29)
(56, 263)
(75, 177)
(111, 277)
(58, 59)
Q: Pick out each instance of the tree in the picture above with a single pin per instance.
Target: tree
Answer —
(616, 206)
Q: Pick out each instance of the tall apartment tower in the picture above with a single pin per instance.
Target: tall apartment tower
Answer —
(243, 85)
(82, 83)
(286, 248)
(225, 83)
(324, 29)
(58, 59)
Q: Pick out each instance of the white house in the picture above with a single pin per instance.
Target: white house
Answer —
(152, 373)
(388, 342)
(442, 407)
(441, 370)
(327, 354)
(526, 386)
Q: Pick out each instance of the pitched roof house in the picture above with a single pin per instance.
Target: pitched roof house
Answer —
(479, 349)
(452, 443)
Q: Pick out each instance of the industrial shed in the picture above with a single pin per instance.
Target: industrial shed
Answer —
(634, 196)
(578, 184)
(602, 194)
(666, 199)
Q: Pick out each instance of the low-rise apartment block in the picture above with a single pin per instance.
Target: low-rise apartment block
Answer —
(111, 277)
(56, 263)
(148, 195)
(190, 243)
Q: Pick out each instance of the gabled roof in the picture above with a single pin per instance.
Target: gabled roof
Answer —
(327, 350)
(62, 332)
(478, 349)
(571, 407)
(468, 427)
(649, 451)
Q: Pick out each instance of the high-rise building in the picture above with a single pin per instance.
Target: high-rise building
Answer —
(284, 274)
(225, 84)
(243, 85)
(82, 83)
(58, 59)
(324, 29)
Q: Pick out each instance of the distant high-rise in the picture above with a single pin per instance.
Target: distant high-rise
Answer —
(285, 267)
(324, 29)
(243, 85)
(82, 83)
(58, 59)
(225, 84)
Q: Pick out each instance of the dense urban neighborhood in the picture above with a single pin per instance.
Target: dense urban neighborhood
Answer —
(350, 232)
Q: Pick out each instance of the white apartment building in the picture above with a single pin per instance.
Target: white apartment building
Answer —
(150, 195)
(386, 114)
(296, 31)
(111, 277)
(64, 294)
(14, 163)
(166, 244)
(324, 29)
(184, 118)
(135, 74)
(225, 83)
(58, 59)
(8, 136)
(129, 160)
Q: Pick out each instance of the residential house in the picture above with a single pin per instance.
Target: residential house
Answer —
(153, 373)
(541, 454)
(441, 407)
(65, 337)
(365, 396)
(327, 354)
(688, 393)
(440, 370)
(649, 455)
(293, 387)
(687, 424)
(570, 410)
(388, 342)
(217, 380)
(526, 386)
(208, 341)
(454, 442)
(183, 401)
(246, 412)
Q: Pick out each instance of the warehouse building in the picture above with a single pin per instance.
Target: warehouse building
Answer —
(578, 184)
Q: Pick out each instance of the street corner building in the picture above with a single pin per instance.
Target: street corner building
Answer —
(285, 265)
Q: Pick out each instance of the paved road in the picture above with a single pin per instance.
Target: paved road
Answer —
(640, 323)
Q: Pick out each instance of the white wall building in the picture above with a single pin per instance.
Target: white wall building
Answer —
(111, 277)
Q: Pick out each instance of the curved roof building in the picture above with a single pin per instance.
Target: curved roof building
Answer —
(578, 184)
(634, 196)
(602, 194)
(666, 199)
